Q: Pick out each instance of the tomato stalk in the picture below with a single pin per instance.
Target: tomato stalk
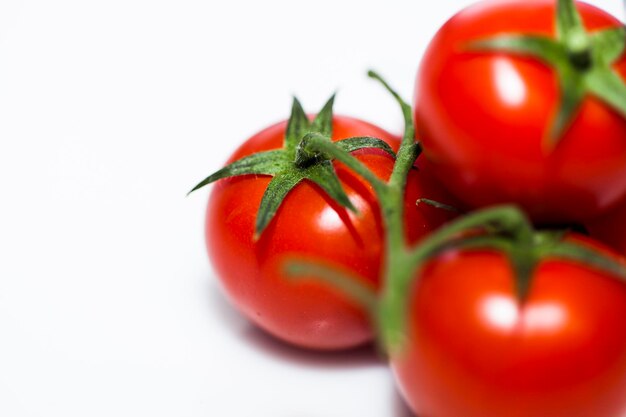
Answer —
(570, 29)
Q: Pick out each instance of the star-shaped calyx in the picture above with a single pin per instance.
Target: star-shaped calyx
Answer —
(582, 60)
(293, 164)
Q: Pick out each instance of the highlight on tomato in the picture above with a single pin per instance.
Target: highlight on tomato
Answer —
(524, 102)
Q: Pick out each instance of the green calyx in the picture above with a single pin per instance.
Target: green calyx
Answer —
(502, 229)
(582, 60)
(294, 163)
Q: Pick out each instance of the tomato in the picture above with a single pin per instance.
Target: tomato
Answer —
(611, 228)
(308, 225)
(473, 350)
(482, 117)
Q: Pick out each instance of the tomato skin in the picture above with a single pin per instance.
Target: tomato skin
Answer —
(308, 225)
(482, 117)
(611, 228)
(472, 351)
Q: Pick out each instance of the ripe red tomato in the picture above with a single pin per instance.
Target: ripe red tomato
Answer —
(473, 351)
(308, 224)
(482, 117)
(611, 228)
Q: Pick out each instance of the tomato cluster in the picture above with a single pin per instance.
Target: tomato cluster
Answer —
(460, 253)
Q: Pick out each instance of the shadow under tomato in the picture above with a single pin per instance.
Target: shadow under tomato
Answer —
(365, 356)
(400, 408)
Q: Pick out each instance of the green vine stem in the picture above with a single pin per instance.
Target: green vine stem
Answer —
(359, 290)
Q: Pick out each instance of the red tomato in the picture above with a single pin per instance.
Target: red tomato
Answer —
(483, 116)
(611, 228)
(308, 224)
(473, 351)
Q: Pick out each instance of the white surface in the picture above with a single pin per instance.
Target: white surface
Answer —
(109, 112)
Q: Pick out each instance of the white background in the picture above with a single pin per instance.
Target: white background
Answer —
(109, 112)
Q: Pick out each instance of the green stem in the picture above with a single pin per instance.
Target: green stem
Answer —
(588, 256)
(503, 217)
(394, 297)
(571, 32)
(348, 284)
(409, 149)
(579, 51)
(398, 267)
(437, 204)
(315, 142)
(392, 204)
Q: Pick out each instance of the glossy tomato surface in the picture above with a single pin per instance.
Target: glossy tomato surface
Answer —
(308, 225)
(483, 117)
(474, 351)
